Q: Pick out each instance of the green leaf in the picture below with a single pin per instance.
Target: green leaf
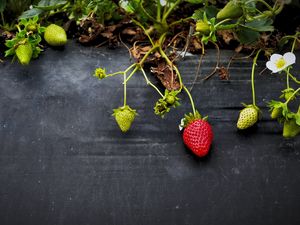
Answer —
(247, 36)
(9, 52)
(10, 43)
(297, 118)
(2, 5)
(48, 5)
(194, 1)
(36, 52)
(31, 13)
(261, 25)
(210, 11)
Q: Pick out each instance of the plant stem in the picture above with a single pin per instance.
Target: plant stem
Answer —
(125, 89)
(180, 21)
(150, 83)
(121, 72)
(2, 18)
(191, 99)
(263, 2)
(130, 75)
(288, 69)
(145, 31)
(146, 55)
(163, 54)
(223, 21)
(146, 13)
(158, 12)
(113, 74)
(287, 80)
(289, 99)
(294, 78)
(167, 13)
(252, 77)
(228, 26)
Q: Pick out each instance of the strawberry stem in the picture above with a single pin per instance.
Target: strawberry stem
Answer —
(252, 77)
(288, 69)
(170, 63)
(125, 89)
(291, 97)
(150, 83)
(191, 99)
(131, 74)
(145, 31)
(291, 76)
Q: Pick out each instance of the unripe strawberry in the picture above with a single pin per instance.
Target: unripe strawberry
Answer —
(230, 11)
(290, 128)
(289, 94)
(55, 35)
(24, 53)
(170, 99)
(248, 117)
(203, 27)
(124, 117)
(32, 27)
(276, 113)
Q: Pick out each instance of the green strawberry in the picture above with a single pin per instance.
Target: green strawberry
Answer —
(32, 27)
(170, 99)
(248, 117)
(24, 53)
(203, 27)
(124, 117)
(276, 113)
(287, 93)
(290, 128)
(55, 35)
(230, 11)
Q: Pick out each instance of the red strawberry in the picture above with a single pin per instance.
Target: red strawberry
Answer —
(198, 136)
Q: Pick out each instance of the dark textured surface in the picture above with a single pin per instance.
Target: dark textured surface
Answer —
(64, 161)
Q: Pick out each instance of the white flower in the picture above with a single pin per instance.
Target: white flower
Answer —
(278, 62)
(163, 2)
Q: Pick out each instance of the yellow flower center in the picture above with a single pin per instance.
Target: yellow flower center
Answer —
(280, 63)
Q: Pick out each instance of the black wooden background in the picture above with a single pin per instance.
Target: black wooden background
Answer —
(63, 159)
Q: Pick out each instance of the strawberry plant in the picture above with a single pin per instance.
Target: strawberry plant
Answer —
(198, 134)
(26, 44)
(280, 109)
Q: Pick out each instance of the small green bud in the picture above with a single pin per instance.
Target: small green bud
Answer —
(32, 27)
(170, 99)
(100, 73)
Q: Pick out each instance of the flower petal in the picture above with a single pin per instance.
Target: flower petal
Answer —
(163, 2)
(289, 58)
(271, 66)
(275, 57)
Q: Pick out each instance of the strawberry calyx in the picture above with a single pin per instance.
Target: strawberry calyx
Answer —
(191, 117)
(124, 108)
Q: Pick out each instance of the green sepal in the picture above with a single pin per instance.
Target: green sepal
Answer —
(164, 104)
(122, 108)
(191, 117)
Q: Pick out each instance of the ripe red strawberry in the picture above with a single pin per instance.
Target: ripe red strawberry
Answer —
(198, 136)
